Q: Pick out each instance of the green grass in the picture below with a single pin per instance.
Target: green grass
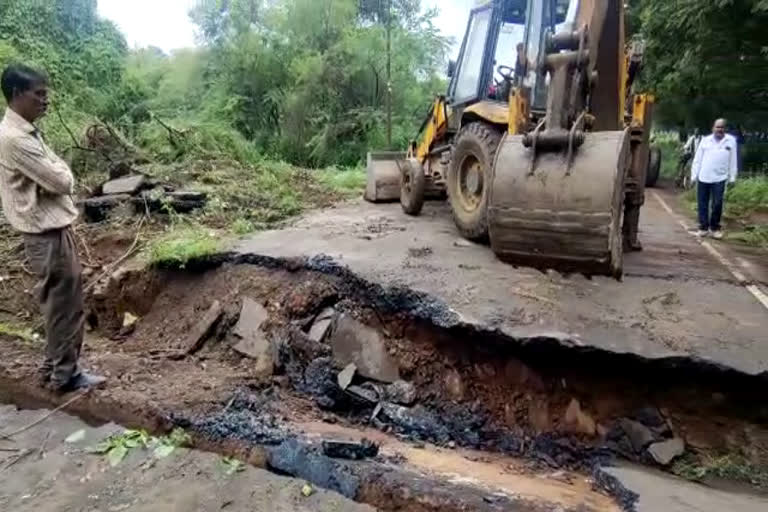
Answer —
(348, 182)
(183, 244)
(728, 467)
(670, 147)
(21, 333)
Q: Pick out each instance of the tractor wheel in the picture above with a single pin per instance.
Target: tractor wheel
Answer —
(469, 178)
(654, 167)
(413, 182)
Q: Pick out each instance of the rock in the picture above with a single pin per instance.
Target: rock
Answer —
(128, 185)
(538, 416)
(650, 417)
(346, 375)
(453, 385)
(364, 394)
(97, 209)
(665, 452)
(253, 341)
(577, 421)
(322, 323)
(352, 451)
(400, 392)
(187, 195)
(639, 435)
(204, 327)
(353, 342)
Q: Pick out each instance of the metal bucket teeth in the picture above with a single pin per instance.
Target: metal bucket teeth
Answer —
(558, 219)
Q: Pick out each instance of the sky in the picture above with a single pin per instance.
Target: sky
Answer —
(165, 23)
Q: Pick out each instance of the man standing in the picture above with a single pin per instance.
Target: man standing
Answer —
(36, 189)
(715, 163)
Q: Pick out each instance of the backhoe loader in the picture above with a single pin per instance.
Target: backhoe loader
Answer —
(540, 144)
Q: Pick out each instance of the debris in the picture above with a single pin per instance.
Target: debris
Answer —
(665, 452)
(127, 185)
(187, 195)
(462, 243)
(365, 394)
(346, 375)
(129, 320)
(252, 316)
(420, 252)
(200, 332)
(577, 421)
(75, 437)
(354, 342)
(376, 411)
(400, 392)
(253, 341)
(416, 422)
(353, 451)
(322, 323)
(453, 385)
(639, 435)
(44, 416)
(307, 491)
(97, 209)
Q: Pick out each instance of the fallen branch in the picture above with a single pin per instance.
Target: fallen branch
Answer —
(18, 458)
(118, 261)
(75, 143)
(41, 451)
(44, 417)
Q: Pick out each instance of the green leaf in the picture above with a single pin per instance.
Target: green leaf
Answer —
(102, 448)
(164, 450)
(116, 455)
(75, 437)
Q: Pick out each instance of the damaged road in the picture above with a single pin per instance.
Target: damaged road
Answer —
(676, 300)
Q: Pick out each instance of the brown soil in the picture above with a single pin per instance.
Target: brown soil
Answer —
(525, 389)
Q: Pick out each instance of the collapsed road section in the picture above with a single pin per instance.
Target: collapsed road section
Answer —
(290, 363)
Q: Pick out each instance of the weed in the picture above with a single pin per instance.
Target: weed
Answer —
(731, 467)
(23, 334)
(182, 244)
(746, 196)
(116, 447)
(230, 465)
(755, 236)
(243, 227)
(348, 182)
(166, 445)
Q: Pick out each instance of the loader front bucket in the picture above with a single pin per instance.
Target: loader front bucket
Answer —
(552, 216)
(384, 176)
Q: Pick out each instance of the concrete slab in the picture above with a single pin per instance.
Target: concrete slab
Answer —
(676, 299)
(659, 491)
(64, 477)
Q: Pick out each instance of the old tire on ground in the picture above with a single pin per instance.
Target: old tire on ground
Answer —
(413, 183)
(469, 178)
(654, 167)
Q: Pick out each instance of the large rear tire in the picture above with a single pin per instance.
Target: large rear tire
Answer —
(469, 178)
(654, 167)
(413, 183)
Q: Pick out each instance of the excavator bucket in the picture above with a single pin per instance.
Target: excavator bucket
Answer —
(384, 176)
(546, 214)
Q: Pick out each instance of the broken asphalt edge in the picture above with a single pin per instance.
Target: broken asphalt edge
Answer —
(423, 306)
(380, 484)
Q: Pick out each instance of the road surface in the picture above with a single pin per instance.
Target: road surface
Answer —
(678, 297)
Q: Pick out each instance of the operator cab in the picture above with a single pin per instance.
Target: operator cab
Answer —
(501, 48)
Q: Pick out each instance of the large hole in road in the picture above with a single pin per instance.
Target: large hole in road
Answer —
(419, 376)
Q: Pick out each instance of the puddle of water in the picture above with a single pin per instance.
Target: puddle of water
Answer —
(496, 474)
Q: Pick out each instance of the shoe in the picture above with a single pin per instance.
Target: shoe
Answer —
(702, 233)
(82, 381)
(717, 235)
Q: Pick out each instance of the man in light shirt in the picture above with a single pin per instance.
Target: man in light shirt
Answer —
(36, 189)
(715, 164)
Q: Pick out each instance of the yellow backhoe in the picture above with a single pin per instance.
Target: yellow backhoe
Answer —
(540, 143)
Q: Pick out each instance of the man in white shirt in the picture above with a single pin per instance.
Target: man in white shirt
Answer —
(716, 163)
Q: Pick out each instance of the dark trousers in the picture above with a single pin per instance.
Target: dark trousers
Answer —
(53, 258)
(713, 192)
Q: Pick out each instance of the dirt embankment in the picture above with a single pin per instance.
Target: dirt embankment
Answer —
(558, 407)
